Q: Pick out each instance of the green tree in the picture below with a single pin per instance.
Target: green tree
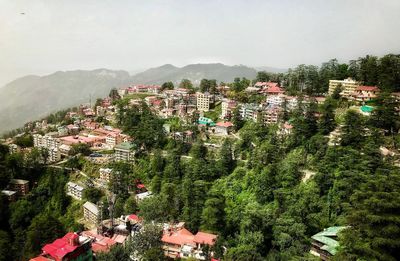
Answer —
(353, 129)
(167, 86)
(186, 84)
(92, 194)
(385, 115)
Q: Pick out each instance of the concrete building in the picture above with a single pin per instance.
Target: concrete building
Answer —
(91, 212)
(54, 155)
(21, 186)
(124, 151)
(105, 175)
(271, 115)
(249, 111)
(10, 194)
(348, 86)
(74, 190)
(227, 107)
(48, 141)
(365, 93)
(204, 101)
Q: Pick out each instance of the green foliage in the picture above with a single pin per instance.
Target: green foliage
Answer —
(81, 148)
(147, 243)
(208, 86)
(117, 253)
(24, 141)
(186, 84)
(167, 86)
(92, 194)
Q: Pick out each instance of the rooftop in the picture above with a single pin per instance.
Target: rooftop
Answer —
(325, 237)
(125, 146)
(19, 181)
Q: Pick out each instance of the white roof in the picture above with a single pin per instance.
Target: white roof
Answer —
(76, 186)
(91, 207)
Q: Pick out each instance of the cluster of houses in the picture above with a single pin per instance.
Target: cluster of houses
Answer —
(15, 189)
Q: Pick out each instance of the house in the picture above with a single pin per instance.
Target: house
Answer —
(348, 86)
(178, 242)
(100, 243)
(21, 186)
(68, 248)
(54, 155)
(324, 244)
(223, 127)
(365, 93)
(91, 212)
(204, 101)
(74, 190)
(275, 100)
(124, 151)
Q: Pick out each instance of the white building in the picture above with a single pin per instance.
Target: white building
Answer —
(249, 111)
(275, 100)
(74, 190)
(227, 107)
(348, 86)
(124, 152)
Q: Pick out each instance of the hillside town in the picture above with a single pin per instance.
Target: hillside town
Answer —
(92, 132)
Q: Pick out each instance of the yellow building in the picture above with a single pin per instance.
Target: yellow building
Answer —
(348, 86)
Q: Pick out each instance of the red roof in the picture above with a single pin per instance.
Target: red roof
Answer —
(60, 247)
(140, 186)
(225, 124)
(39, 258)
(180, 237)
(367, 88)
(205, 238)
(274, 89)
(134, 217)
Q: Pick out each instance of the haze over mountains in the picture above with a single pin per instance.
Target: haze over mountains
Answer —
(33, 97)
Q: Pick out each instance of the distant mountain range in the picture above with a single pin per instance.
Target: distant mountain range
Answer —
(33, 97)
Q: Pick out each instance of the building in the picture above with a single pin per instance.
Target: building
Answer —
(105, 175)
(178, 242)
(204, 101)
(348, 86)
(11, 195)
(271, 115)
(205, 121)
(365, 93)
(124, 151)
(325, 244)
(54, 154)
(48, 141)
(223, 127)
(71, 247)
(13, 148)
(91, 212)
(21, 186)
(249, 111)
(74, 190)
(227, 107)
(275, 100)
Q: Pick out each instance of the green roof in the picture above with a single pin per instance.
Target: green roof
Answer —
(125, 146)
(367, 108)
(324, 237)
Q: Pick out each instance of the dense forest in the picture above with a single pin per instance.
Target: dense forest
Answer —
(253, 190)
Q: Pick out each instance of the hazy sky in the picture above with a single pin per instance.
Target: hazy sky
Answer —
(130, 35)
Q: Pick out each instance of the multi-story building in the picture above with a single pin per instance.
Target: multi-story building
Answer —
(271, 115)
(124, 151)
(249, 111)
(275, 100)
(348, 86)
(10, 194)
(20, 185)
(71, 247)
(48, 141)
(227, 107)
(105, 175)
(223, 127)
(204, 101)
(74, 190)
(91, 212)
(54, 155)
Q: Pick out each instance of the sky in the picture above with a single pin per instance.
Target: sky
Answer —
(43, 36)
